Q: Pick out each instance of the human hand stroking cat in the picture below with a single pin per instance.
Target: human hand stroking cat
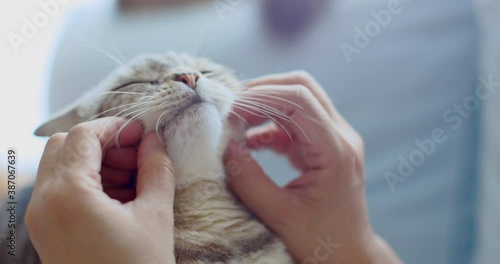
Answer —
(186, 101)
(195, 107)
(321, 216)
(73, 219)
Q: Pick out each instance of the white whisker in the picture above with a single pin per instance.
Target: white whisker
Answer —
(248, 125)
(127, 109)
(157, 127)
(117, 133)
(119, 53)
(121, 92)
(265, 108)
(105, 53)
(131, 105)
(268, 116)
(287, 118)
(271, 96)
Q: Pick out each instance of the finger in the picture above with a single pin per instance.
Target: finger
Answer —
(300, 78)
(274, 138)
(50, 159)
(114, 176)
(305, 79)
(255, 189)
(121, 158)
(268, 136)
(155, 176)
(301, 116)
(85, 142)
(121, 194)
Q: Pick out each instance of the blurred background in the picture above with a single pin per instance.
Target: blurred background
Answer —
(23, 105)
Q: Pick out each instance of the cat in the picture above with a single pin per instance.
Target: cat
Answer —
(187, 100)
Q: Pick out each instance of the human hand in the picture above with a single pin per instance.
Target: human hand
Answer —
(321, 216)
(72, 218)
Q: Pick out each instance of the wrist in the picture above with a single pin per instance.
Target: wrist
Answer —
(371, 250)
(379, 252)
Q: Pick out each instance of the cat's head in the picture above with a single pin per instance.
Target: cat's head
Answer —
(185, 99)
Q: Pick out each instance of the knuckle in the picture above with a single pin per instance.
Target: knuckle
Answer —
(301, 95)
(302, 76)
(357, 142)
(79, 129)
(56, 138)
(355, 147)
(354, 158)
(31, 217)
(300, 91)
(360, 143)
(352, 168)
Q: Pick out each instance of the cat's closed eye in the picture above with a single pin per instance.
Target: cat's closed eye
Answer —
(135, 82)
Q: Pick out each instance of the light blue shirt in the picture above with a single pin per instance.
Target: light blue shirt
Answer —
(395, 79)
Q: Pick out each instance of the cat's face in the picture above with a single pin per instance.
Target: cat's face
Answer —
(171, 92)
(166, 90)
(186, 100)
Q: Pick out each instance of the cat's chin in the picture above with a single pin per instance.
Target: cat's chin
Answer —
(193, 143)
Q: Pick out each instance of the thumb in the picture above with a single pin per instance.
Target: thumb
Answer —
(155, 173)
(254, 188)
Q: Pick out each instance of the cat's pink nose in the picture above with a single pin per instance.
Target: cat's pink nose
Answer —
(188, 78)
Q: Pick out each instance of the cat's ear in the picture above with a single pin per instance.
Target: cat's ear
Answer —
(82, 110)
